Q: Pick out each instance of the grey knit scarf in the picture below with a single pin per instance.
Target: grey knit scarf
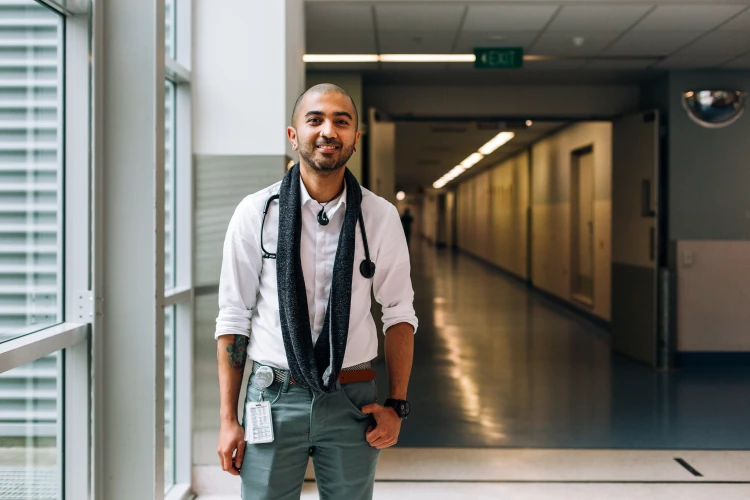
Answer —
(317, 366)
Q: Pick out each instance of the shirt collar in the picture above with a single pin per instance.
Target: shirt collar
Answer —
(331, 207)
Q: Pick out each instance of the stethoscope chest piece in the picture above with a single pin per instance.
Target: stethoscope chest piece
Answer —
(367, 268)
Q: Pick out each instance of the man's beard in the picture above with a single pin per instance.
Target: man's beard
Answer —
(326, 164)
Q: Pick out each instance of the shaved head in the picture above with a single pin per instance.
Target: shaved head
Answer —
(324, 88)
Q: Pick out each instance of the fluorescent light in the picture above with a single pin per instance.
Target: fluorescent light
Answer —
(400, 195)
(428, 58)
(340, 58)
(457, 170)
(496, 142)
(438, 184)
(472, 160)
(435, 58)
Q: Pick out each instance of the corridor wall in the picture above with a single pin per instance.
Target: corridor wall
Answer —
(551, 210)
(493, 214)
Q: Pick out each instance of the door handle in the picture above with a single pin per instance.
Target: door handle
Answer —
(646, 210)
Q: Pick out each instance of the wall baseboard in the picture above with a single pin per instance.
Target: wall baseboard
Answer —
(712, 359)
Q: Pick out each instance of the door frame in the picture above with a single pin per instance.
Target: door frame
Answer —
(575, 156)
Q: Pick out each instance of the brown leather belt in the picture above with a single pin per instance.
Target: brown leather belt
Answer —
(347, 376)
(351, 377)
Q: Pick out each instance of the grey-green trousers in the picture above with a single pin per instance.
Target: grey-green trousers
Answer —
(329, 427)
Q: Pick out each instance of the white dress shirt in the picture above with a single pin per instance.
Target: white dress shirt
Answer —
(248, 296)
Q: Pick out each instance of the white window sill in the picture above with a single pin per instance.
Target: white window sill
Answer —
(180, 492)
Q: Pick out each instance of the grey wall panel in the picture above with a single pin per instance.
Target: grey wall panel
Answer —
(709, 170)
(221, 183)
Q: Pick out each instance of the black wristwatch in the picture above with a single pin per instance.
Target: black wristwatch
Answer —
(400, 405)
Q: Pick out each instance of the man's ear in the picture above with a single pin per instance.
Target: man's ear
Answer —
(291, 133)
(356, 139)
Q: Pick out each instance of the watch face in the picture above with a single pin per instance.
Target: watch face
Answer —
(403, 408)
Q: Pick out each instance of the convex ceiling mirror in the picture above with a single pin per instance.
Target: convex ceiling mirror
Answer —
(714, 108)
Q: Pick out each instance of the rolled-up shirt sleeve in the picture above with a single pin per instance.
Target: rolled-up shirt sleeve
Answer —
(392, 280)
(240, 273)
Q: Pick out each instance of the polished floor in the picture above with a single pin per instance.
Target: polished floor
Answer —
(453, 473)
(497, 365)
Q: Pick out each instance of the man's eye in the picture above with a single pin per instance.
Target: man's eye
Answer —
(343, 122)
(313, 120)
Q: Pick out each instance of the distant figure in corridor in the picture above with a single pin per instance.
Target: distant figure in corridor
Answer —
(406, 220)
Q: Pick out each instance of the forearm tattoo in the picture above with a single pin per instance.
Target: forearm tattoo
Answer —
(237, 353)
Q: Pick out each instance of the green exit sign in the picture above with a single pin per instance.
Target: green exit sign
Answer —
(498, 57)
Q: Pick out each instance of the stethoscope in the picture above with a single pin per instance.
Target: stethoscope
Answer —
(366, 267)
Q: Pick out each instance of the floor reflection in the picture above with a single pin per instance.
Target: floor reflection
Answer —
(498, 366)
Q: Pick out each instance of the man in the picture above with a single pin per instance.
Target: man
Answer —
(294, 296)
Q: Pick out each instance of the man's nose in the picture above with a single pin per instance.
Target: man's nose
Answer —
(328, 130)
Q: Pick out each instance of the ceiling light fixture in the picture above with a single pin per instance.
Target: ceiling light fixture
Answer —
(472, 160)
(340, 58)
(529, 123)
(400, 195)
(496, 142)
(438, 58)
(404, 58)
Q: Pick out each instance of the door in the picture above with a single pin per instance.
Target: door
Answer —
(635, 174)
(583, 226)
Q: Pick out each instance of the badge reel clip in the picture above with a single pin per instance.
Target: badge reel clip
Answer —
(258, 414)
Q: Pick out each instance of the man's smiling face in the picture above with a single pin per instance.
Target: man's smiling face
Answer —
(325, 130)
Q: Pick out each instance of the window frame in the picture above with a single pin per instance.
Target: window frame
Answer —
(82, 255)
(182, 296)
(72, 335)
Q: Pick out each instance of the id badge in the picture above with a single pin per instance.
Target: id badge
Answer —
(259, 425)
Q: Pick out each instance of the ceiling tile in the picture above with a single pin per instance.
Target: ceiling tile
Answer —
(502, 18)
(554, 64)
(651, 43)
(413, 66)
(468, 41)
(722, 43)
(738, 63)
(694, 62)
(687, 17)
(340, 42)
(560, 43)
(618, 64)
(328, 17)
(341, 66)
(741, 22)
(427, 17)
(415, 42)
(598, 17)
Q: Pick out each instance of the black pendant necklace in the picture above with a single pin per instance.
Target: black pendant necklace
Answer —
(322, 216)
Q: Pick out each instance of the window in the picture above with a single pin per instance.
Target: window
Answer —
(31, 173)
(169, 187)
(30, 443)
(31, 251)
(169, 396)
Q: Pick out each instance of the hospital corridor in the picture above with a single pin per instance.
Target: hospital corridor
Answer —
(436, 249)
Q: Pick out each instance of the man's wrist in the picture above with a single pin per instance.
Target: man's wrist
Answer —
(229, 418)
